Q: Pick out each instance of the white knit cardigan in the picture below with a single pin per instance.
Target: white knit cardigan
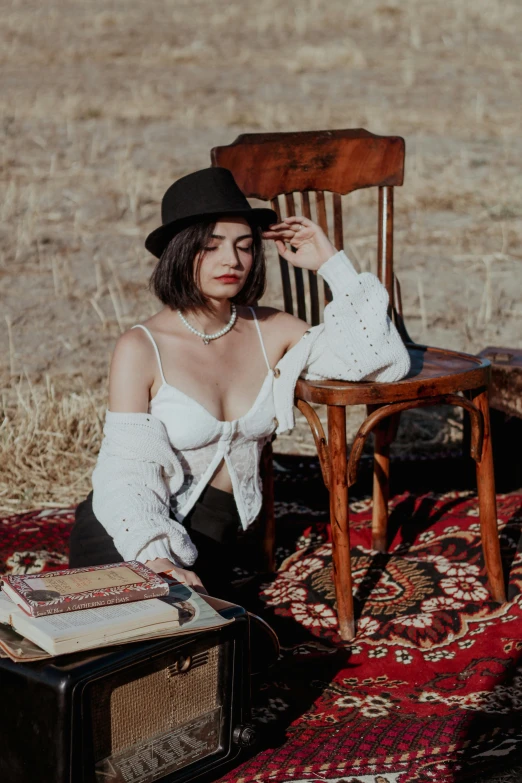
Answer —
(137, 471)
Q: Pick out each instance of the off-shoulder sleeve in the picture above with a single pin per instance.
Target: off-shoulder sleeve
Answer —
(134, 477)
(358, 340)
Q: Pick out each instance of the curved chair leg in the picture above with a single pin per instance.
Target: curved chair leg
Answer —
(488, 504)
(381, 488)
(381, 412)
(384, 434)
(342, 571)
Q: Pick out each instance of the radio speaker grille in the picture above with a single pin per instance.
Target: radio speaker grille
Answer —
(127, 708)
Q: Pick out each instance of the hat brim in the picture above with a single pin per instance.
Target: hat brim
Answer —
(158, 239)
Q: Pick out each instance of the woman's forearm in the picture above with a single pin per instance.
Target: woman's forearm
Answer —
(134, 478)
(131, 500)
(157, 549)
(357, 328)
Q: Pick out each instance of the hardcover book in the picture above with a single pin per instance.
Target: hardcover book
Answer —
(182, 611)
(83, 588)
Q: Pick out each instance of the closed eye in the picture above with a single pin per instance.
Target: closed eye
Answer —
(245, 249)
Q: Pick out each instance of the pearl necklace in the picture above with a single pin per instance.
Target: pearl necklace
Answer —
(208, 337)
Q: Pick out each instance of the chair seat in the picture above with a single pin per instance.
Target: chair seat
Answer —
(433, 371)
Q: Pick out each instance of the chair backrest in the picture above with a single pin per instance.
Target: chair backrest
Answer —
(276, 166)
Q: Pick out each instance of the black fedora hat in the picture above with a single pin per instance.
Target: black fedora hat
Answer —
(203, 195)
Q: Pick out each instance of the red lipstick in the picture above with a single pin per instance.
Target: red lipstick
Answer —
(228, 278)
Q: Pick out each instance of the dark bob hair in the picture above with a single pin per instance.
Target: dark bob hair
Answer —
(175, 279)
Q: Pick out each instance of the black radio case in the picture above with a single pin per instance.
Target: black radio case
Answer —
(160, 711)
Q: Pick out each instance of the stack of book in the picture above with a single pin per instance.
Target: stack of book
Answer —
(48, 614)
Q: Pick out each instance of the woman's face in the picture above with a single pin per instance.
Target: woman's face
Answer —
(223, 266)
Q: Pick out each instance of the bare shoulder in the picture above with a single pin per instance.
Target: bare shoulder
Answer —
(132, 372)
(281, 326)
(132, 349)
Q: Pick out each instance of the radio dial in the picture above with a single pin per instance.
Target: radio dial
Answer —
(245, 735)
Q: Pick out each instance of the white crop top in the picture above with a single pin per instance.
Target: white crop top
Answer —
(200, 441)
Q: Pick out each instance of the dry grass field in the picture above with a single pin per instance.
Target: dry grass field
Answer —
(105, 103)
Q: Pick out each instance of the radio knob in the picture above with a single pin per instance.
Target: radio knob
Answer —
(245, 735)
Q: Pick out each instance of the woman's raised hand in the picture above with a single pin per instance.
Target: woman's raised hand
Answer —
(311, 245)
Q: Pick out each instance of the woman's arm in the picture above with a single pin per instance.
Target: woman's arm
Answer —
(358, 340)
(309, 249)
(144, 489)
(132, 373)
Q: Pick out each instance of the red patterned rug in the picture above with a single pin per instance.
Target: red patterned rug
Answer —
(431, 688)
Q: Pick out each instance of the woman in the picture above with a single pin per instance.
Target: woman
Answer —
(197, 390)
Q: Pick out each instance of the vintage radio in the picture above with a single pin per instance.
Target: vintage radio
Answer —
(166, 710)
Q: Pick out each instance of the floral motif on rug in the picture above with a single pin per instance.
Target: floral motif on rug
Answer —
(431, 687)
(35, 541)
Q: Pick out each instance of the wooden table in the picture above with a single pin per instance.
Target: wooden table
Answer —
(506, 379)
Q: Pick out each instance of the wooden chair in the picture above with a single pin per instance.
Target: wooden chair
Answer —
(276, 166)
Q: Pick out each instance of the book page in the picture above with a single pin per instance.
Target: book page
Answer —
(7, 606)
(98, 622)
(195, 612)
(64, 632)
(18, 648)
(84, 581)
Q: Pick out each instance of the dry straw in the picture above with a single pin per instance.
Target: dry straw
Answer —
(87, 152)
(48, 446)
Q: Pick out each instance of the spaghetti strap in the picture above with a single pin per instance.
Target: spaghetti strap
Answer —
(260, 337)
(156, 349)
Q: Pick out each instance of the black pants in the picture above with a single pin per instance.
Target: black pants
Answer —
(213, 526)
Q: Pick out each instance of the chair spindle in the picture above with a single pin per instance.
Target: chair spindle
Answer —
(385, 242)
(323, 223)
(338, 221)
(315, 315)
(283, 265)
(298, 272)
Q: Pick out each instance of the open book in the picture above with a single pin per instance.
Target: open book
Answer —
(182, 611)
